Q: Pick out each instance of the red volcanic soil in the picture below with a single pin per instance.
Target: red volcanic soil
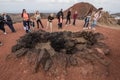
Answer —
(17, 69)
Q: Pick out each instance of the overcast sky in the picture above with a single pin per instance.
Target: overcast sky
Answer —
(112, 6)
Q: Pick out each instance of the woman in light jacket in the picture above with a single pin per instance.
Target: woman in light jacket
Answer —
(38, 19)
(97, 16)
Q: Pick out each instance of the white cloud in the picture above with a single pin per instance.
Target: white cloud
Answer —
(52, 0)
(10, 0)
(4, 0)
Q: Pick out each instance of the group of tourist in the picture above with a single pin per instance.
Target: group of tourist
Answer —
(29, 22)
(87, 18)
(60, 17)
(96, 16)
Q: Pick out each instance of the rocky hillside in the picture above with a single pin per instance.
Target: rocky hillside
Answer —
(107, 19)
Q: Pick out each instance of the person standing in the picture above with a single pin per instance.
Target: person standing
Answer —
(87, 18)
(25, 17)
(96, 17)
(68, 17)
(74, 17)
(38, 19)
(8, 22)
(2, 24)
(49, 22)
(60, 13)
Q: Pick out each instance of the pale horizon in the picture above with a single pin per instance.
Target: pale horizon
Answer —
(16, 6)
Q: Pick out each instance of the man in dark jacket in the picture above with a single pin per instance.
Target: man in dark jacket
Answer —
(60, 13)
(8, 21)
(2, 24)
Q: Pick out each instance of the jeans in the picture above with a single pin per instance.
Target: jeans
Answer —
(93, 23)
(86, 24)
(39, 21)
(87, 19)
(68, 19)
(26, 25)
(10, 25)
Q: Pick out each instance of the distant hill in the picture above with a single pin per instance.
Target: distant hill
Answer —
(116, 14)
(117, 17)
(16, 17)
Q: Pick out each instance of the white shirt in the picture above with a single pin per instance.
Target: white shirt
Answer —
(97, 16)
(37, 16)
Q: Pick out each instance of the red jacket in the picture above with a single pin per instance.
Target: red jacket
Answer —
(75, 16)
